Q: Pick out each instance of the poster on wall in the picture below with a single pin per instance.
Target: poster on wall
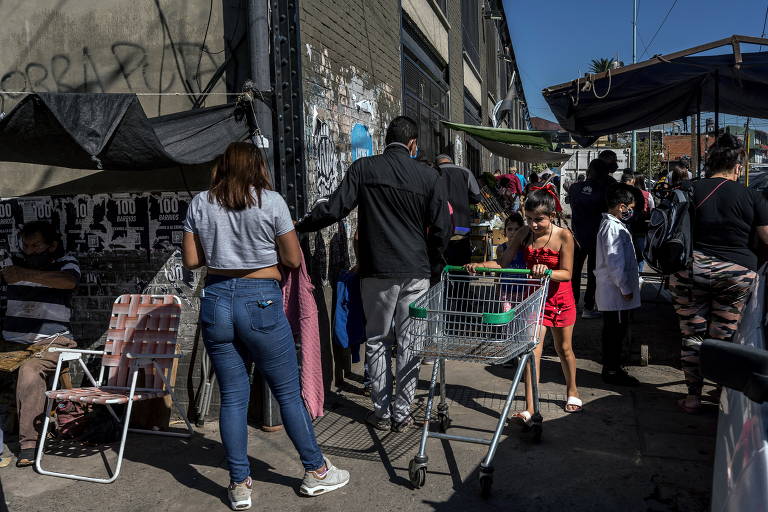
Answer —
(10, 217)
(76, 214)
(167, 211)
(362, 142)
(124, 221)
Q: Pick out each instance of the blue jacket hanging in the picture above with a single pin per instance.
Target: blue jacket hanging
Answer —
(348, 319)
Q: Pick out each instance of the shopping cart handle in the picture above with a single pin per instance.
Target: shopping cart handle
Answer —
(519, 271)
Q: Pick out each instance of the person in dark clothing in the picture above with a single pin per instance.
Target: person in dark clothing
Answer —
(709, 297)
(403, 225)
(587, 207)
(463, 190)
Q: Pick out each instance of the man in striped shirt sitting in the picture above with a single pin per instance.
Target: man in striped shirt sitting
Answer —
(39, 297)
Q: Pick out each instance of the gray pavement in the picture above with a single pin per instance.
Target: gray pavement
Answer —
(630, 450)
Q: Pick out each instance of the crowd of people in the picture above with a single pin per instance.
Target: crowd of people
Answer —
(413, 218)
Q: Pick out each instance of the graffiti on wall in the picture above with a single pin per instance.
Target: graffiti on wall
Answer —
(327, 165)
(458, 148)
(122, 65)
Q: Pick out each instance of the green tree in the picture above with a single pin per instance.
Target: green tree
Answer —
(656, 158)
(600, 65)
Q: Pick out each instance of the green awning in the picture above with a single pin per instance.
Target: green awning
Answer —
(539, 140)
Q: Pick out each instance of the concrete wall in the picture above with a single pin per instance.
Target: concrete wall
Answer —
(124, 227)
(142, 46)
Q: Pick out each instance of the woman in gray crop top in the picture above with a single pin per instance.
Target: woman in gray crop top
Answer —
(240, 229)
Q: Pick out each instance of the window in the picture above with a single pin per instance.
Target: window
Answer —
(491, 61)
(470, 23)
(425, 92)
(472, 161)
(472, 114)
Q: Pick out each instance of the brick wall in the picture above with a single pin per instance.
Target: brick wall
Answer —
(352, 89)
(125, 243)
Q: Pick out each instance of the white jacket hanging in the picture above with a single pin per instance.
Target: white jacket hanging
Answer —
(616, 267)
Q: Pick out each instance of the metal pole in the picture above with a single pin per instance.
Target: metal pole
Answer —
(650, 149)
(698, 139)
(746, 144)
(634, 60)
(258, 45)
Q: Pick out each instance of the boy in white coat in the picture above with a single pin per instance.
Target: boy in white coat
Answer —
(618, 281)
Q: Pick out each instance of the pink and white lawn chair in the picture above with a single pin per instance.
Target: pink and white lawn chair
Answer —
(141, 339)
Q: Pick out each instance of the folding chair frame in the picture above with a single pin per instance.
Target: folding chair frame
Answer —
(75, 354)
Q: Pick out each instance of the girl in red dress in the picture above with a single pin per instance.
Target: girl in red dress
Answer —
(546, 246)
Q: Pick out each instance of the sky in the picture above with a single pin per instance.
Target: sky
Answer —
(555, 40)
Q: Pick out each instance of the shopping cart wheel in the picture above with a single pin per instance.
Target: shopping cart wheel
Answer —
(486, 481)
(444, 421)
(417, 473)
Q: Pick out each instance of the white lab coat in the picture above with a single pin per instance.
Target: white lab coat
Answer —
(616, 267)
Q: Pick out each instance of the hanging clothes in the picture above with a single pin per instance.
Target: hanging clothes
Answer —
(348, 319)
(301, 311)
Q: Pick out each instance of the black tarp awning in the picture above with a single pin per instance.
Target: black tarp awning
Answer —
(112, 132)
(664, 89)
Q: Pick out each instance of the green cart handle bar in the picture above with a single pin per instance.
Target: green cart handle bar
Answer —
(487, 318)
(519, 271)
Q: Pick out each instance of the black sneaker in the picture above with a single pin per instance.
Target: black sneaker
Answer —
(378, 423)
(619, 377)
(26, 458)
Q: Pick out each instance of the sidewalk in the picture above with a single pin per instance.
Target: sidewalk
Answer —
(630, 450)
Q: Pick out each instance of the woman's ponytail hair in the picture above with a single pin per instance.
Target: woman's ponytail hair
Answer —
(724, 154)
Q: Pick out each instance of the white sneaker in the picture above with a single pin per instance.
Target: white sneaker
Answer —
(240, 494)
(334, 478)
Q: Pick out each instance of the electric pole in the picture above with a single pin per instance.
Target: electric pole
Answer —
(634, 60)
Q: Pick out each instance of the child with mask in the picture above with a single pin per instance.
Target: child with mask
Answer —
(618, 281)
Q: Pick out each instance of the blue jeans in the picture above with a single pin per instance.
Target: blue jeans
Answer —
(243, 320)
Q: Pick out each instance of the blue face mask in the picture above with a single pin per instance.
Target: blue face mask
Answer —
(627, 214)
(416, 155)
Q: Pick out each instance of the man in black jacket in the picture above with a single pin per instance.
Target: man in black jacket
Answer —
(463, 190)
(403, 226)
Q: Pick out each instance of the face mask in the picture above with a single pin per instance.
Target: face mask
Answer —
(626, 215)
(37, 261)
(416, 154)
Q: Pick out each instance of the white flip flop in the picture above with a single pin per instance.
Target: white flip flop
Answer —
(575, 402)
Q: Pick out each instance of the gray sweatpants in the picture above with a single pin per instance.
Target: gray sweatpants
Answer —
(385, 304)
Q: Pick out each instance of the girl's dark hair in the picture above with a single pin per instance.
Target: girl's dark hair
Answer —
(640, 181)
(533, 177)
(724, 154)
(627, 176)
(679, 175)
(541, 200)
(621, 193)
(516, 218)
(241, 170)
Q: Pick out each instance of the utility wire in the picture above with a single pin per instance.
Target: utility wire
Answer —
(659, 29)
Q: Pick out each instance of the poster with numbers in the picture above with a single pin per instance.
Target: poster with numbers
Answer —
(10, 220)
(167, 211)
(125, 222)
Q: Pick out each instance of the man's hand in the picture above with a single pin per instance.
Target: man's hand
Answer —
(628, 296)
(14, 274)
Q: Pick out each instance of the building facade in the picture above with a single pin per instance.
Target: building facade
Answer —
(363, 63)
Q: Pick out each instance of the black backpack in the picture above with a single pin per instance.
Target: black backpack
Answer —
(669, 243)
